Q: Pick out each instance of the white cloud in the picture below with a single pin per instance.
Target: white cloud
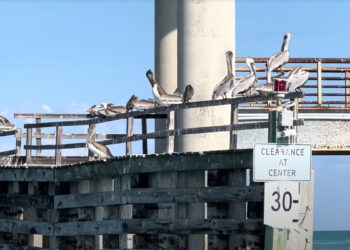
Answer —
(47, 108)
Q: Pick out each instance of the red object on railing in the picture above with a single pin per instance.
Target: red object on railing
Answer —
(280, 86)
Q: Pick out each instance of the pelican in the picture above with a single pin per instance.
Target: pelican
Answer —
(188, 93)
(93, 110)
(298, 80)
(139, 104)
(279, 59)
(5, 125)
(100, 150)
(264, 89)
(162, 98)
(111, 110)
(226, 84)
(245, 83)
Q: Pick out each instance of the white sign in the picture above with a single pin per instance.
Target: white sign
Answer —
(281, 204)
(281, 162)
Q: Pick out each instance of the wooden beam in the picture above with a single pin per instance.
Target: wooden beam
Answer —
(144, 132)
(155, 226)
(58, 151)
(156, 163)
(160, 195)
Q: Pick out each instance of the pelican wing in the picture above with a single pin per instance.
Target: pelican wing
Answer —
(243, 85)
(100, 149)
(3, 120)
(264, 90)
(277, 60)
(223, 87)
(144, 104)
(298, 80)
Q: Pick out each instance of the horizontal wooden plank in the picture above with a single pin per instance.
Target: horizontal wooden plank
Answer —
(26, 201)
(156, 226)
(8, 152)
(72, 136)
(6, 133)
(157, 134)
(26, 227)
(212, 160)
(78, 116)
(26, 174)
(165, 195)
(16, 247)
(163, 110)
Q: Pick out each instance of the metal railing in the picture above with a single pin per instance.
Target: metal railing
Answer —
(328, 85)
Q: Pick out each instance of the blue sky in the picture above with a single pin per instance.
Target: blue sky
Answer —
(64, 56)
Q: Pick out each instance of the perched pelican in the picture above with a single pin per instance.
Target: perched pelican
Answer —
(245, 83)
(226, 84)
(298, 80)
(153, 82)
(279, 59)
(188, 93)
(162, 98)
(106, 110)
(5, 125)
(111, 110)
(139, 104)
(100, 150)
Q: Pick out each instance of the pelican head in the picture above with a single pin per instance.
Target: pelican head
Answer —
(130, 103)
(229, 54)
(249, 61)
(149, 75)
(286, 39)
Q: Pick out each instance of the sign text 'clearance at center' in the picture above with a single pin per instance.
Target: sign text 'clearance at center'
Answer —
(281, 162)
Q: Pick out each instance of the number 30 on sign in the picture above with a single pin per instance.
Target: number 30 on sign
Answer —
(281, 208)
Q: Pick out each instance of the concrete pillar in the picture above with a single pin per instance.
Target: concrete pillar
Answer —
(165, 53)
(206, 30)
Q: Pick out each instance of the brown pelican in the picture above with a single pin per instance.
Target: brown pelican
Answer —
(225, 86)
(279, 59)
(188, 93)
(100, 150)
(106, 110)
(245, 83)
(162, 98)
(139, 104)
(5, 125)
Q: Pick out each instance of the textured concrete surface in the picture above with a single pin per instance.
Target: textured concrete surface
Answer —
(321, 134)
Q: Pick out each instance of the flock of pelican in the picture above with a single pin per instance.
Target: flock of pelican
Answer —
(230, 85)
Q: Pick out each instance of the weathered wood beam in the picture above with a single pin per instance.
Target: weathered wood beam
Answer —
(8, 152)
(6, 133)
(160, 195)
(26, 201)
(156, 163)
(26, 227)
(155, 226)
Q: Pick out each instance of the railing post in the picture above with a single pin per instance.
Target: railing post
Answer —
(144, 132)
(18, 142)
(58, 156)
(234, 121)
(346, 89)
(170, 126)
(29, 143)
(38, 139)
(319, 83)
(129, 132)
(91, 131)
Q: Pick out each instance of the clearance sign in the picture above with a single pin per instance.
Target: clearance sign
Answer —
(281, 162)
